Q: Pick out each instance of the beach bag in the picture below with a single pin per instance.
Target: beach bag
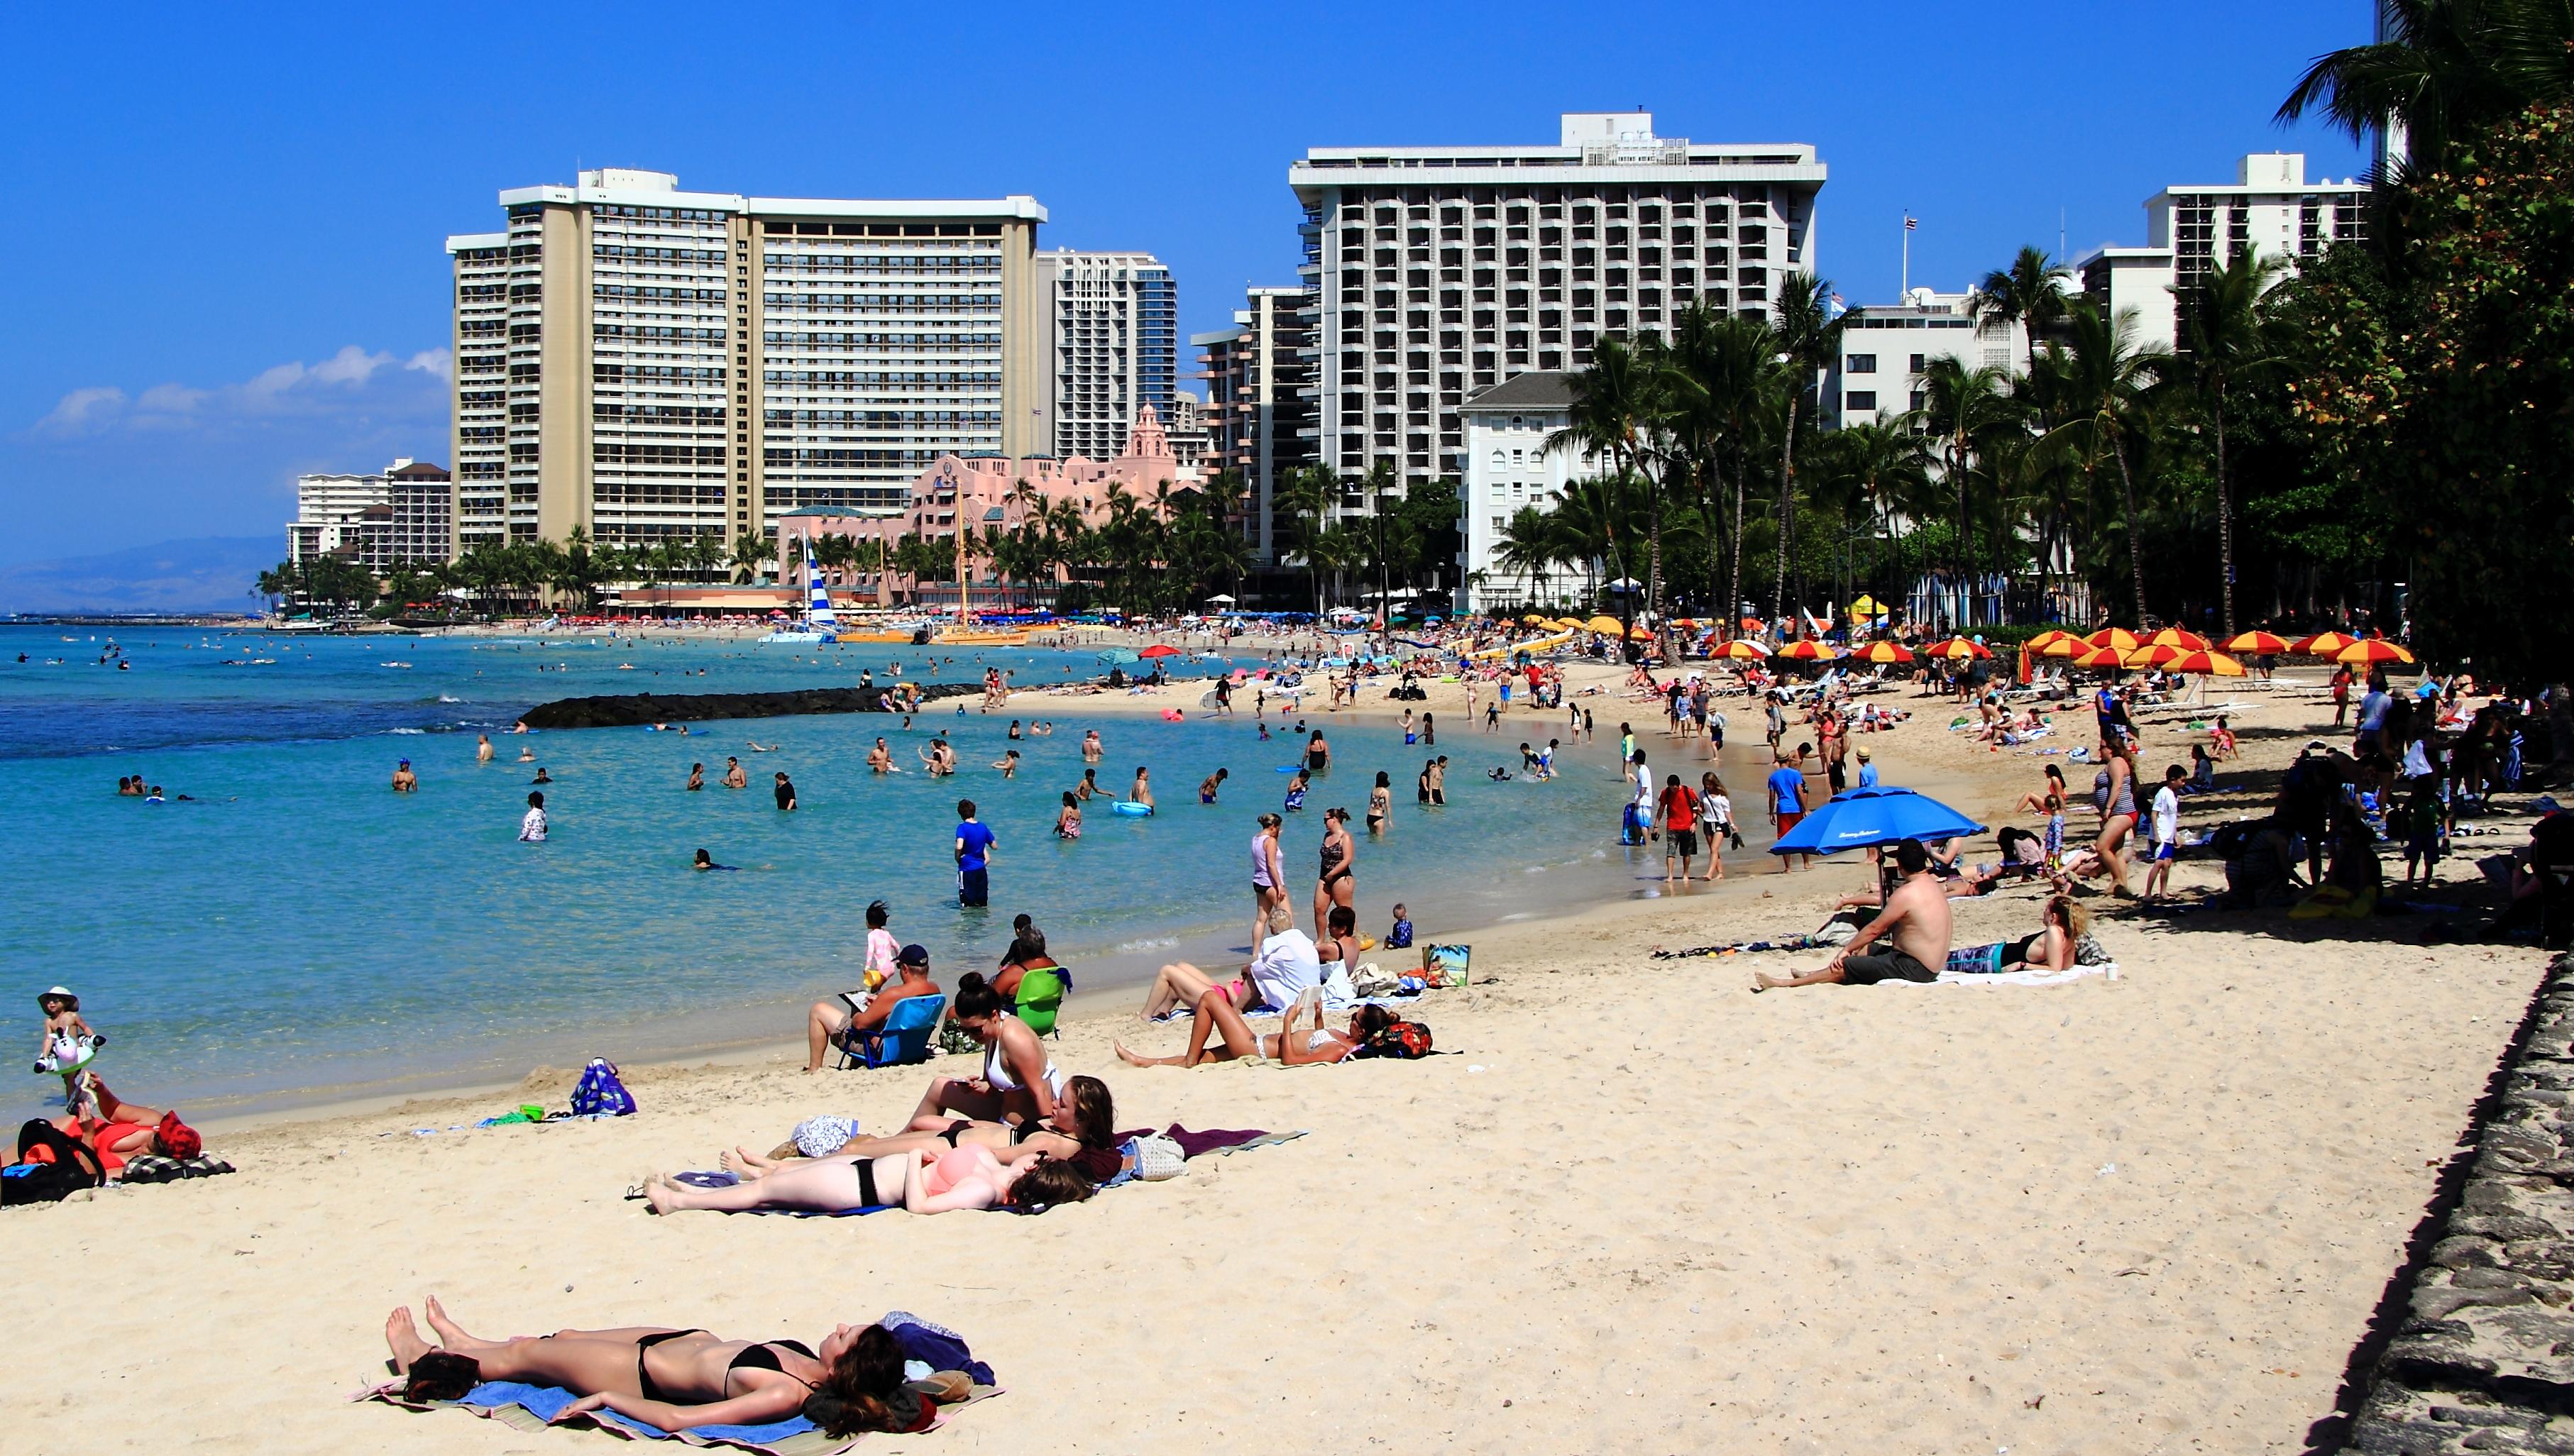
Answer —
(67, 1168)
(1371, 981)
(1158, 1157)
(599, 1093)
(1977, 959)
(1401, 1041)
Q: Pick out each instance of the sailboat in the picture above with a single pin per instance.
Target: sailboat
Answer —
(821, 622)
(964, 634)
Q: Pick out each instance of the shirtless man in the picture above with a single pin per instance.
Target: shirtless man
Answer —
(735, 778)
(880, 758)
(1916, 914)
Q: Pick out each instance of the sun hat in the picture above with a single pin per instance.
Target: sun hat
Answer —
(60, 992)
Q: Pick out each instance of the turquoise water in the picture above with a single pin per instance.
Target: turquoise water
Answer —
(296, 931)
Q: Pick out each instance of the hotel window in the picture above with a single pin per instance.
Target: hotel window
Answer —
(1859, 400)
(1859, 364)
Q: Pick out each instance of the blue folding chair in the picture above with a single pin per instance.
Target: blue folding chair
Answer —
(904, 1038)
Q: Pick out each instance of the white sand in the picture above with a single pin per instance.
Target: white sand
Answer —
(1641, 1210)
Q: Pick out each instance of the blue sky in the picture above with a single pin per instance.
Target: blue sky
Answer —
(225, 223)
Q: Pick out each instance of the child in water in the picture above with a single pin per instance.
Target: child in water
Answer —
(1296, 791)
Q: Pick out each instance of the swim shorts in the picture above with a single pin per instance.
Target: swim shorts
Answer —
(974, 887)
(1789, 821)
(1867, 971)
(2164, 851)
(1683, 842)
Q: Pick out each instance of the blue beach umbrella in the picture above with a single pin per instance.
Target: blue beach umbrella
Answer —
(1856, 818)
(1115, 656)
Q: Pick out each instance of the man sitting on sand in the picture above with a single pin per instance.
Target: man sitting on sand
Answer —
(1916, 914)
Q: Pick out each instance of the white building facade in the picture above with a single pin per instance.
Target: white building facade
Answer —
(1886, 348)
(1508, 469)
(2191, 230)
(642, 363)
(402, 515)
(1440, 271)
(1113, 322)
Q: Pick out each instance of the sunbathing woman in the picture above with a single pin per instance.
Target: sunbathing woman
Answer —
(921, 1181)
(675, 1379)
(2063, 926)
(2034, 801)
(1091, 1148)
(1216, 1016)
(1019, 1084)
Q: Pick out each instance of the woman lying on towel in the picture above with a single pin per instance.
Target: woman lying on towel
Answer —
(922, 1181)
(675, 1379)
(1092, 1147)
(2058, 945)
(1217, 1020)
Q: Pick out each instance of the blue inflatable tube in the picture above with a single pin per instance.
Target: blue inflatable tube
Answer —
(1132, 808)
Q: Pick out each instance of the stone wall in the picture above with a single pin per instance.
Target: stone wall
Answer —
(2483, 1359)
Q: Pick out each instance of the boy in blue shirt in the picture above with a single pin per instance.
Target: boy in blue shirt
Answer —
(1788, 806)
(1400, 937)
(973, 857)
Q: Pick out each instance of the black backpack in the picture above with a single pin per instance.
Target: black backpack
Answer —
(74, 1167)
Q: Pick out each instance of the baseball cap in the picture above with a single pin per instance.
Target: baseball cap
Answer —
(914, 955)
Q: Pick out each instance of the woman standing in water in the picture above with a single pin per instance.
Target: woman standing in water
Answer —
(1318, 754)
(1268, 875)
(1337, 882)
(1380, 804)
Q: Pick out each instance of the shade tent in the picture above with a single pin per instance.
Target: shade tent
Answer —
(1219, 599)
(1859, 818)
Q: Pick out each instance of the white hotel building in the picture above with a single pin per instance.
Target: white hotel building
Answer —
(1435, 272)
(639, 362)
(2190, 230)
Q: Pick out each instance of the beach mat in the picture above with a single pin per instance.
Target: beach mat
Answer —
(719, 1178)
(531, 1408)
(2066, 977)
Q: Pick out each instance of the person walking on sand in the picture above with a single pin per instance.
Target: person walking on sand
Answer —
(1716, 821)
(1336, 884)
(1268, 875)
(1677, 809)
(1915, 915)
(1786, 807)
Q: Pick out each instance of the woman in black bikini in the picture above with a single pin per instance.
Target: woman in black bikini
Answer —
(675, 1379)
(1091, 1147)
(1318, 754)
(1338, 884)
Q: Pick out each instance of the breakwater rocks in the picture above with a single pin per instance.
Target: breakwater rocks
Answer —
(2482, 1359)
(636, 709)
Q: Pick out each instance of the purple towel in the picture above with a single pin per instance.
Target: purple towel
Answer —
(1198, 1145)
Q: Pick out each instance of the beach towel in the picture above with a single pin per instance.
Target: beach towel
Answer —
(531, 1408)
(719, 1178)
(1215, 1140)
(2016, 977)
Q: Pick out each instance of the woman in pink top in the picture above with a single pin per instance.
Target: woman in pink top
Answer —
(922, 1181)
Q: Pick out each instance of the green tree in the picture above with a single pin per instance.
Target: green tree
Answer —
(2449, 70)
(2112, 381)
(2030, 293)
(1808, 338)
(752, 554)
(2222, 317)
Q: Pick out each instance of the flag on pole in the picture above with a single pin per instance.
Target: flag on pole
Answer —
(1911, 222)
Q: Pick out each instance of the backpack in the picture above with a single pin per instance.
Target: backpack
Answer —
(1403, 1042)
(73, 1167)
(599, 1093)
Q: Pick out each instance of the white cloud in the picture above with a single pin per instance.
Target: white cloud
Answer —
(290, 389)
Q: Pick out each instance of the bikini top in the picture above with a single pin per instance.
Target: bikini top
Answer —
(765, 1357)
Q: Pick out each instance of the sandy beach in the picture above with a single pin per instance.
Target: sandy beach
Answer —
(1634, 1208)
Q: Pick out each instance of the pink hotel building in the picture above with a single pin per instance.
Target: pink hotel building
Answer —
(981, 490)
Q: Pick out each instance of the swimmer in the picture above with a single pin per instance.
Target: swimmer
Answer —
(1092, 750)
(708, 862)
(1008, 763)
(1088, 788)
(405, 781)
(541, 776)
(1142, 792)
(481, 747)
(526, 754)
(758, 746)
(1209, 784)
(1014, 729)
(696, 777)
(880, 758)
(733, 776)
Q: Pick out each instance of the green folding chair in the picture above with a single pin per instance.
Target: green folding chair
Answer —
(1040, 999)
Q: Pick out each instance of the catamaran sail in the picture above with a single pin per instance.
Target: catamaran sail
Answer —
(818, 610)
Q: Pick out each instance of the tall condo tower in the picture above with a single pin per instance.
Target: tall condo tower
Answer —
(639, 362)
(1113, 327)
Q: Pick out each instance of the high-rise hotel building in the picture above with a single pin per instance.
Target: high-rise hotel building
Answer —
(641, 362)
(1114, 327)
(1440, 271)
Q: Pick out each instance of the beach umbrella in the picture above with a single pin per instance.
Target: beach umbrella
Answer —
(1219, 599)
(1117, 656)
(2256, 643)
(2067, 644)
(2372, 653)
(1866, 609)
(1958, 648)
(2038, 644)
(1884, 651)
(2178, 637)
(1742, 649)
(2101, 658)
(2325, 645)
(2154, 655)
(1605, 625)
(1533, 620)
(1858, 818)
(1159, 650)
(2207, 665)
(2115, 636)
(1808, 650)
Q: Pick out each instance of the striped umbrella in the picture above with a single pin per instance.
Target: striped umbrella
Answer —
(1958, 648)
(1809, 650)
(2178, 637)
(2101, 658)
(2067, 644)
(1741, 650)
(2038, 644)
(2154, 654)
(2115, 636)
(2325, 645)
(2372, 653)
(1884, 651)
(2207, 665)
(2257, 644)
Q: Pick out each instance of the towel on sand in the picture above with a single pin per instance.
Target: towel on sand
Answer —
(719, 1178)
(2016, 978)
(1216, 1139)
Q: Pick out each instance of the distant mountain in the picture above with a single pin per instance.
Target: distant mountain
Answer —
(201, 574)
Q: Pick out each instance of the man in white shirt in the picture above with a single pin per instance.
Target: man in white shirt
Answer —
(2167, 819)
(531, 827)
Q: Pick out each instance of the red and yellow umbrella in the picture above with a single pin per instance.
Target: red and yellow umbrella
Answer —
(2207, 665)
(2178, 637)
(2326, 645)
(2115, 636)
(2257, 644)
(1958, 648)
(2101, 658)
(2154, 654)
(1741, 650)
(2040, 643)
(1809, 650)
(1884, 651)
(2372, 653)
(2067, 644)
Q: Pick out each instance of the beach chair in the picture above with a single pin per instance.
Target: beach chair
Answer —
(1040, 999)
(903, 1040)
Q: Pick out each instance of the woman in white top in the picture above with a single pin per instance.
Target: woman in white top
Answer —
(1020, 1083)
(1716, 821)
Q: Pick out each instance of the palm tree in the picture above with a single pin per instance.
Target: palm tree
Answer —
(1806, 337)
(1962, 408)
(2221, 319)
(1526, 547)
(2030, 293)
(2111, 376)
(1616, 398)
(1885, 466)
(1306, 501)
(751, 553)
(2447, 69)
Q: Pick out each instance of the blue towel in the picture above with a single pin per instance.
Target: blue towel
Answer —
(547, 1401)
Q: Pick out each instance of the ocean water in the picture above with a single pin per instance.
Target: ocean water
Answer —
(294, 931)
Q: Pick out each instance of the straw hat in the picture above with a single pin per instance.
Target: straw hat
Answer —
(58, 991)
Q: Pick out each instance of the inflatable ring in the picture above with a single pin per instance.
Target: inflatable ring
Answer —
(1132, 808)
